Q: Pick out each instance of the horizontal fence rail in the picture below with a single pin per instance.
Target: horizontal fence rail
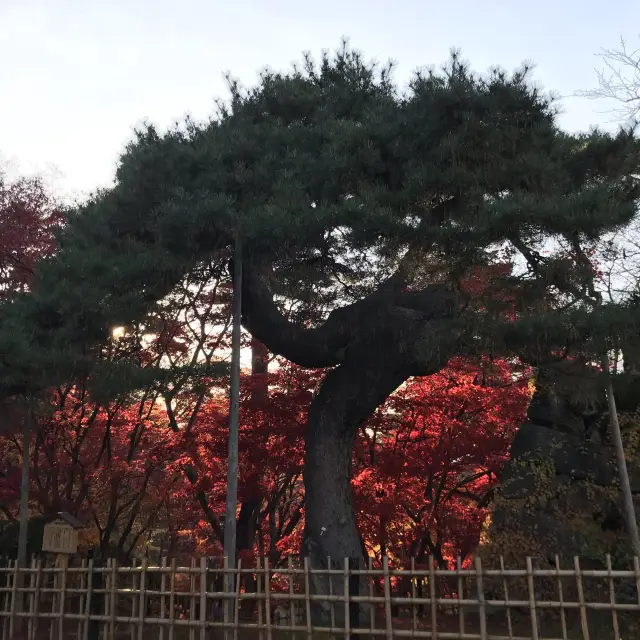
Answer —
(205, 599)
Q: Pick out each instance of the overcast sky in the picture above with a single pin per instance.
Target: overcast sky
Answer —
(77, 75)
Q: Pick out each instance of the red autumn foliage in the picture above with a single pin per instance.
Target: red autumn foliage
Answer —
(423, 465)
(29, 218)
(428, 461)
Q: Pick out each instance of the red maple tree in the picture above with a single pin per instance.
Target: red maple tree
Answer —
(29, 218)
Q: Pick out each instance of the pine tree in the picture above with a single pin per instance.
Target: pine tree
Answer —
(367, 207)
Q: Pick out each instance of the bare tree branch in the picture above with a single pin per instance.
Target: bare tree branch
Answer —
(619, 80)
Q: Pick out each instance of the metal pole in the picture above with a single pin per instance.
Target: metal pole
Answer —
(234, 413)
(625, 486)
(24, 507)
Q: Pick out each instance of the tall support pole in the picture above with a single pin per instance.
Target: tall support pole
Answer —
(625, 485)
(234, 413)
(24, 507)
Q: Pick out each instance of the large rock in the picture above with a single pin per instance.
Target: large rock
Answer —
(559, 492)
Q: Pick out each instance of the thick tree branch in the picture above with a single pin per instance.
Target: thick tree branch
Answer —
(388, 309)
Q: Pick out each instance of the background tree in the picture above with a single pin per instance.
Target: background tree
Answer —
(619, 80)
(29, 218)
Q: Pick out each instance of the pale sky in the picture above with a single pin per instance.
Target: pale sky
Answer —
(77, 75)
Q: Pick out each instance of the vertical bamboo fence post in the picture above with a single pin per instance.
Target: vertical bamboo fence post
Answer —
(482, 608)
(142, 610)
(372, 606)
(31, 598)
(267, 596)
(414, 611)
(347, 617)
(64, 565)
(37, 598)
(55, 579)
(172, 598)
(332, 608)
(307, 597)
(387, 598)
(506, 597)
(107, 599)
(7, 601)
(236, 610)
(432, 597)
(583, 609)
(292, 607)
(134, 597)
(612, 596)
(163, 589)
(563, 617)
(203, 598)
(259, 596)
(112, 598)
(87, 604)
(192, 599)
(532, 599)
(83, 585)
(14, 594)
(636, 568)
(461, 608)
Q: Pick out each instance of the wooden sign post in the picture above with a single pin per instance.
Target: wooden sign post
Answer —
(61, 537)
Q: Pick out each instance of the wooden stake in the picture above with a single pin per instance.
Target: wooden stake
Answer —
(192, 599)
(258, 596)
(506, 598)
(432, 597)
(461, 610)
(482, 609)
(36, 600)
(31, 598)
(112, 598)
(583, 610)
(236, 610)
(347, 618)
(203, 598)
(7, 601)
(372, 606)
(387, 598)
(135, 579)
(87, 604)
(563, 618)
(64, 565)
(54, 597)
(142, 604)
(163, 588)
(532, 600)
(83, 586)
(307, 596)
(636, 567)
(267, 596)
(332, 608)
(612, 595)
(292, 607)
(414, 610)
(172, 598)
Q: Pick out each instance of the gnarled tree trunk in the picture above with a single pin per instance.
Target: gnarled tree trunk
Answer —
(374, 346)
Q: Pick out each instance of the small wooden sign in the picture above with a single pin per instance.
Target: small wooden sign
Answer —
(60, 537)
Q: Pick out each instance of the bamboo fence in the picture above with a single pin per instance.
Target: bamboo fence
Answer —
(82, 599)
